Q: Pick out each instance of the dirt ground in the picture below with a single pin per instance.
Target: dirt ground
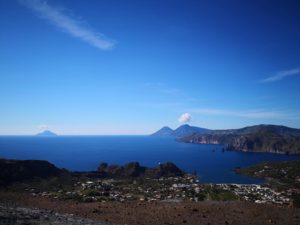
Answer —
(163, 213)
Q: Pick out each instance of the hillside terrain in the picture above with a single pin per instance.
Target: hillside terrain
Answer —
(25, 170)
(282, 176)
(132, 194)
(155, 213)
(287, 173)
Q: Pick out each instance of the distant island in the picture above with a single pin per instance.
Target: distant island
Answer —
(181, 131)
(46, 133)
(258, 138)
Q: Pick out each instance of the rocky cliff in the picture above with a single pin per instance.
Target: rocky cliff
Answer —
(261, 138)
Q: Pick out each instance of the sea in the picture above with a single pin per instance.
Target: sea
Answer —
(84, 153)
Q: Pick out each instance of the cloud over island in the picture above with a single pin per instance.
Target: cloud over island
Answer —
(184, 118)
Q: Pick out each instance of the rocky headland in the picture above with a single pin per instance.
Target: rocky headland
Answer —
(260, 138)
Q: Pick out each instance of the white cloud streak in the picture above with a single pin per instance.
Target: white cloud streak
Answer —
(68, 24)
(250, 114)
(164, 89)
(184, 118)
(281, 75)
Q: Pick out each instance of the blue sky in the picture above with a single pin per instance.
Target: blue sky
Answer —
(130, 67)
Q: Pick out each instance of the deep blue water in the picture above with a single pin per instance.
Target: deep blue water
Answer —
(86, 152)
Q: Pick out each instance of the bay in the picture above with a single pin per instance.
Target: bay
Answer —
(85, 153)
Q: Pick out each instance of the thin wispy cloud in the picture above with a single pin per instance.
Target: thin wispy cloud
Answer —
(164, 89)
(68, 24)
(43, 127)
(281, 75)
(169, 105)
(250, 114)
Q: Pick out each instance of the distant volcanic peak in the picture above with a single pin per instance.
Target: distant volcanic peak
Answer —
(166, 128)
(164, 132)
(187, 126)
(181, 131)
(46, 133)
(190, 128)
(186, 130)
(184, 126)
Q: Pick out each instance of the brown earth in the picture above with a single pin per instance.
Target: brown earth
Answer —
(156, 213)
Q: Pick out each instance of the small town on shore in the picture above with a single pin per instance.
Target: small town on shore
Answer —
(133, 190)
(169, 189)
(165, 182)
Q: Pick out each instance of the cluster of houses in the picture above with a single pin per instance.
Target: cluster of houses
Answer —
(162, 189)
(256, 193)
(148, 189)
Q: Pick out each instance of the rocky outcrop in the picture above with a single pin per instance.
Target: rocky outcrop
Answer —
(12, 171)
(134, 169)
(25, 170)
(261, 138)
(167, 169)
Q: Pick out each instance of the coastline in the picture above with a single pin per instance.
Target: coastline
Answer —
(129, 195)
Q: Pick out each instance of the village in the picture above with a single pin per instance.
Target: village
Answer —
(148, 189)
(168, 189)
(256, 193)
